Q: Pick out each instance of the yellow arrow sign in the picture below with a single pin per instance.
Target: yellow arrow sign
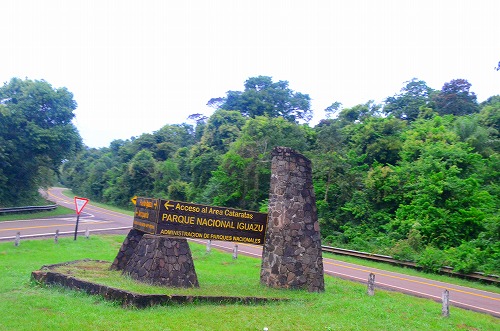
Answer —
(134, 200)
(167, 204)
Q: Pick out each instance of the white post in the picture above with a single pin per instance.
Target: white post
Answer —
(18, 239)
(209, 243)
(87, 233)
(371, 284)
(56, 237)
(235, 252)
(445, 311)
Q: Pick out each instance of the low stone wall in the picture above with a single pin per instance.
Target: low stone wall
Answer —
(164, 261)
(126, 298)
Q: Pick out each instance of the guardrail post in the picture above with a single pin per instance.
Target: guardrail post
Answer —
(371, 284)
(18, 239)
(209, 244)
(445, 310)
(235, 252)
(56, 237)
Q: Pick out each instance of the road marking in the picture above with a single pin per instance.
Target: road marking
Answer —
(412, 280)
(51, 225)
(66, 232)
(90, 206)
(417, 293)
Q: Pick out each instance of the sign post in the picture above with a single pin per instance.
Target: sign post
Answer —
(80, 203)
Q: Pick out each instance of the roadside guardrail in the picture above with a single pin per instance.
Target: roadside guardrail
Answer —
(26, 209)
(477, 276)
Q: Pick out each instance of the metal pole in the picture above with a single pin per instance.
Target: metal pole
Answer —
(76, 226)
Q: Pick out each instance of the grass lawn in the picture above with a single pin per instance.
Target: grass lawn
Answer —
(344, 305)
(59, 211)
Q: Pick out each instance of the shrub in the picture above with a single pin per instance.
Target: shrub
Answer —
(431, 259)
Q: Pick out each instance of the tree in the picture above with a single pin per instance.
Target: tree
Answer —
(263, 97)
(333, 109)
(455, 98)
(439, 186)
(407, 104)
(243, 176)
(360, 112)
(36, 135)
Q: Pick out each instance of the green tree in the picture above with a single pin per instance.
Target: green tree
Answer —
(263, 97)
(455, 98)
(36, 135)
(439, 186)
(243, 176)
(406, 105)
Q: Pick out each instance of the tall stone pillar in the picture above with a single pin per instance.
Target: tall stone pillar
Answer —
(292, 256)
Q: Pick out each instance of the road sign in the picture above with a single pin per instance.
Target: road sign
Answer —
(80, 203)
(182, 219)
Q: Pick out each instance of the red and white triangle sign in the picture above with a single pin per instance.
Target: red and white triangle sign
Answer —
(80, 203)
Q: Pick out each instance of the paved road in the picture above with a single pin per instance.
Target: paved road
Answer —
(93, 218)
(101, 220)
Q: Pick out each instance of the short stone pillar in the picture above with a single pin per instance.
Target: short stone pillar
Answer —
(292, 255)
(164, 261)
(127, 249)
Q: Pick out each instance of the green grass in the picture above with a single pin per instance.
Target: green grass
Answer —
(59, 211)
(344, 305)
(373, 264)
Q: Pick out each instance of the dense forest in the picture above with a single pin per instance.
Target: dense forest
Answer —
(415, 177)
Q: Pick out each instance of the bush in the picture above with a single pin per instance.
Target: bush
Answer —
(403, 251)
(465, 258)
(431, 259)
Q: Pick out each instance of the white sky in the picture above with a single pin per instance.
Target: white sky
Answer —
(134, 66)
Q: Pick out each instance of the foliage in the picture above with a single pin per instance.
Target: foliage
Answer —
(431, 259)
(455, 98)
(263, 97)
(416, 178)
(36, 136)
(407, 105)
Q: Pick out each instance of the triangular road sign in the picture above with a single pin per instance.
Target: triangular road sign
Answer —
(80, 203)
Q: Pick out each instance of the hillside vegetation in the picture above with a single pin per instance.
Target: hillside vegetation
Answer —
(415, 177)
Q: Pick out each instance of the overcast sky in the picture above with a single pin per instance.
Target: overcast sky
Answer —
(134, 66)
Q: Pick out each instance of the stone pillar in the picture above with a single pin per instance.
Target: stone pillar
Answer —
(164, 261)
(127, 249)
(292, 255)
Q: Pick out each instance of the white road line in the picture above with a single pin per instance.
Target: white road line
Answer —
(65, 232)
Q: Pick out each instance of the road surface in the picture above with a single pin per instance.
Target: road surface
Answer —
(100, 220)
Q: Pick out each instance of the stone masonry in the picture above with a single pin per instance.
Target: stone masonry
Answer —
(127, 249)
(292, 256)
(164, 261)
